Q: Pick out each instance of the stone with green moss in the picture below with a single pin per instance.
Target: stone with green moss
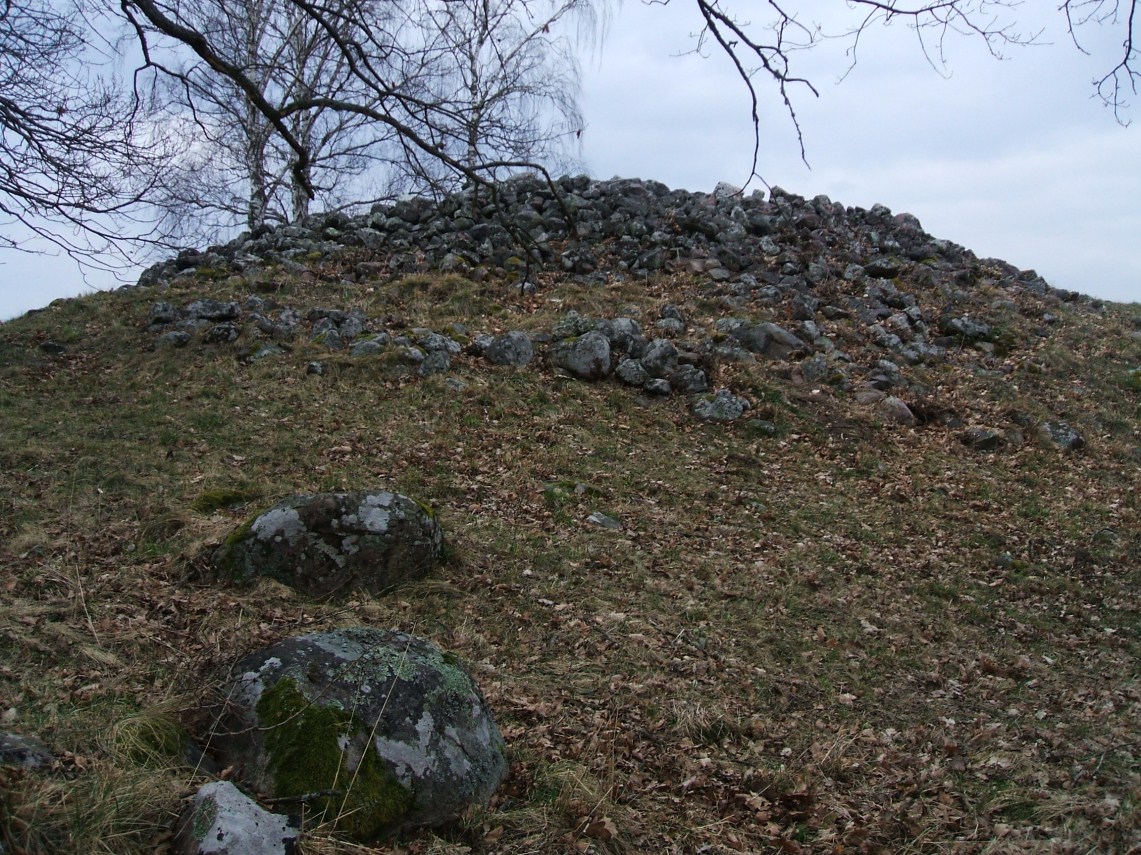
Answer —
(332, 543)
(370, 731)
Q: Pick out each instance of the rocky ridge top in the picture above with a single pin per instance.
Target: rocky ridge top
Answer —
(838, 297)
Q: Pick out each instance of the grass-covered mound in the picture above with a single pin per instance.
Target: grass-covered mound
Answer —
(814, 630)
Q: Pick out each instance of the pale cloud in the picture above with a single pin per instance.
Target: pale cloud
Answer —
(1011, 158)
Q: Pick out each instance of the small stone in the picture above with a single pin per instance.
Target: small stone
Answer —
(896, 410)
(981, 438)
(213, 310)
(723, 406)
(266, 351)
(221, 820)
(173, 339)
(25, 752)
(632, 373)
(586, 357)
(689, 379)
(512, 348)
(163, 313)
(222, 333)
(601, 519)
(660, 358)
(435, 362)
(1062, 435)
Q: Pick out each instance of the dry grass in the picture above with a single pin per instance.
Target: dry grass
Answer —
(847, 637)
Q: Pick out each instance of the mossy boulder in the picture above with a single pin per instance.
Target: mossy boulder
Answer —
(372, 731)
(332, 543)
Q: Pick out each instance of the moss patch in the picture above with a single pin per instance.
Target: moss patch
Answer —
(204, 815)
(302, 742)
(227, 558)
(209, 501)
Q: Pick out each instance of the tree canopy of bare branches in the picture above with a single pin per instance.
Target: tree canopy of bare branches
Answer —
(73, 163)
(441, 92)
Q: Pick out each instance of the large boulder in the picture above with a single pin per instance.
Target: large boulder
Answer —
(374, 730)
(329, 543)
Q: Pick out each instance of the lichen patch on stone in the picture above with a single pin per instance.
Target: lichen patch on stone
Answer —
(279, 523)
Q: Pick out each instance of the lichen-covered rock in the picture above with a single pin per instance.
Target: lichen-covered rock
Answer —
(1061, 435)
(660, 358)
(371, 540)
(723, 406)
(391, 731)
(586, 357)
(769, 340)
(27, 752)
(512, 348)
(222, 820)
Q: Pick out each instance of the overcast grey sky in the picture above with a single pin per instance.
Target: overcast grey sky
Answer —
(1013, 159)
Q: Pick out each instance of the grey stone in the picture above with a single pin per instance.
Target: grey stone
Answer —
(657, 386)
(896, 410)
(266, 351)
(689, 379)
(353, 325)
(965, 328)
(660, 358)
(1062, 435)
(410, 355)
(330, 338)
(25, 752)
(222, 820)
(572, 324)
(769, 340)
(434, 341)
(601, 519)
(213, 310)
(173, 339)
(671, 325)
(163, 313)
(631, 372)
(586, 357)
(435, 362)
(723, 406)
(369, 346)
(981, 438)
(222, 333)
(333, 543)
(392, 725)
(622, 333)
(511, 348)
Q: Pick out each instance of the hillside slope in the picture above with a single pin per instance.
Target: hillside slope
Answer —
(823, 627)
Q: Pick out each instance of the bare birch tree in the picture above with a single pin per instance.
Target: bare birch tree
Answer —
(508, 72)
(72, 156)
(241, 170)
(73, 159)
